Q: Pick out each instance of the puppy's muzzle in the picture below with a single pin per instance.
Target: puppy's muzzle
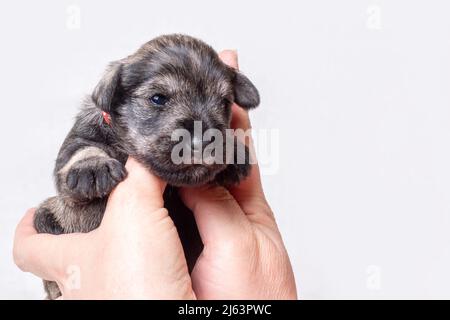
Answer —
(196, 128)
(199, 140)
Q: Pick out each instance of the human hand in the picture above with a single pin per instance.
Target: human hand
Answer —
(244, 256)
(134, 254)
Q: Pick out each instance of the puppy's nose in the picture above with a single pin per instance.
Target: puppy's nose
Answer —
(197, 143)
(196, 130)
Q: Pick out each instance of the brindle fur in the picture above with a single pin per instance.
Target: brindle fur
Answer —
(91, 160)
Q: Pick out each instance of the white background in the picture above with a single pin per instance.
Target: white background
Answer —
(359, 91)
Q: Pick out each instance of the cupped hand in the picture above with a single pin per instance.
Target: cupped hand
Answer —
(244, 256)
(134, 254)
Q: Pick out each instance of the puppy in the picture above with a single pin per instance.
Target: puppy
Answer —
(169, 84)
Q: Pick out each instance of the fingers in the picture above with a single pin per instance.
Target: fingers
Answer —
(219, 217)
(140, 187)
(230, 58)
(240, 118)
(41, 254)
(251, 186)
(249, 191)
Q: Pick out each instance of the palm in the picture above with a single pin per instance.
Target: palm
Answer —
(244, 267)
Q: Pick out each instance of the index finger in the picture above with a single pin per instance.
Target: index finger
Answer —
(40, 253)
(249, 189)
(141, 188)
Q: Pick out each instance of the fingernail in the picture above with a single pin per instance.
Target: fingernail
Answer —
(235, 53)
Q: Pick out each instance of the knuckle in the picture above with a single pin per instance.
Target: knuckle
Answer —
(18, 257)
(220, 194)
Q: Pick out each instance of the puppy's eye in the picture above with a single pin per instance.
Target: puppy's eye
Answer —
(159, 99)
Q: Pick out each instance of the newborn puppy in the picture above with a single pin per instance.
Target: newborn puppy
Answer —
(171, 83)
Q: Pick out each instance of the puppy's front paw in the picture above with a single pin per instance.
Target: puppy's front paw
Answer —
(233, 174)
(239, 169)
(94, 178)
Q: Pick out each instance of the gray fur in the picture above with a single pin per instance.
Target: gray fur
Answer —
(91, 160)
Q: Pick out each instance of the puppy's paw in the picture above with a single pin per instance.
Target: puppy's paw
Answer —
(45, 220)
(94, 177)
(233, 174)
(238, 170)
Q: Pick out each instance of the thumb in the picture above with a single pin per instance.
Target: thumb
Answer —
(141, 188)
(217, 214)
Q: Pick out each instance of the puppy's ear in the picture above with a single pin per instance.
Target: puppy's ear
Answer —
(245, 93)
(106, 90)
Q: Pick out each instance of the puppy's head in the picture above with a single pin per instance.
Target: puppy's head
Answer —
(172, 84)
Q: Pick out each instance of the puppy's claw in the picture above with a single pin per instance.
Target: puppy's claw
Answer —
(233, 174)
(237, 171)
(117, 170)
(94, 178)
